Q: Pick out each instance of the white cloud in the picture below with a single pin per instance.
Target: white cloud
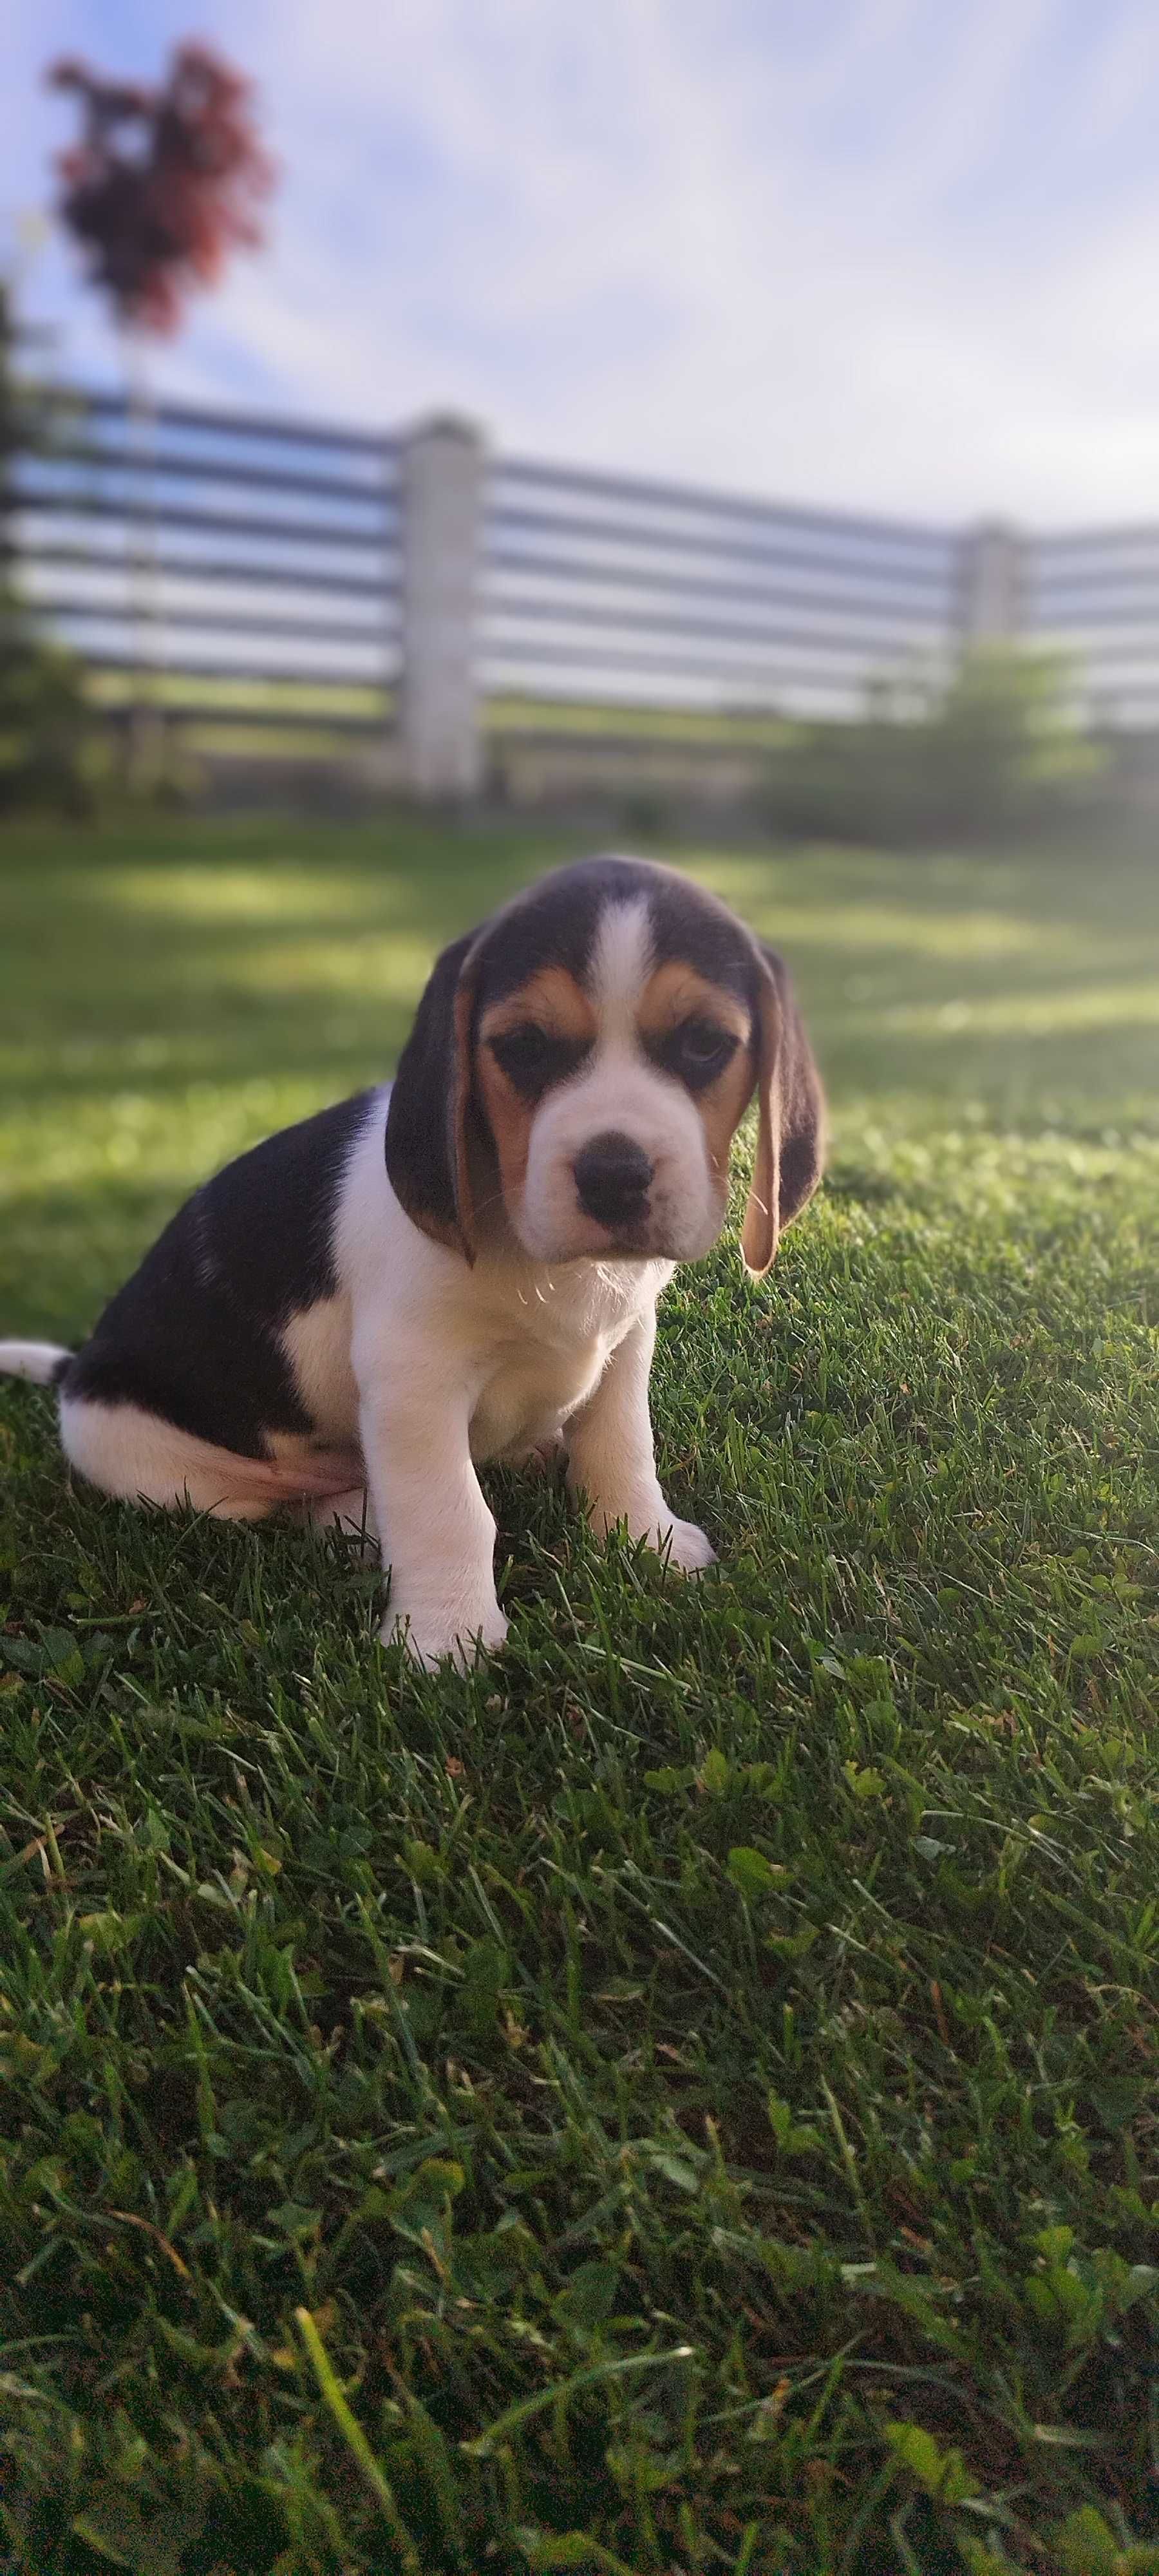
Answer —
(1125, 72)
(835, 254)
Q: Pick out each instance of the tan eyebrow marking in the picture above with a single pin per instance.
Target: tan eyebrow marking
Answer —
(678, 992)
(553, 999)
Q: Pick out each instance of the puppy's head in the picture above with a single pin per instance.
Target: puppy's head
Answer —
(578, 1068)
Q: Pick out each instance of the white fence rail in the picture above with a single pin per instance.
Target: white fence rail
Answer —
(605, 589)
(263, 556)
(315, 588)
(1097, 594)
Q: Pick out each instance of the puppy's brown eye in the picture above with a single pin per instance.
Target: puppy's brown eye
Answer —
(521, 1050)
(531, 1058)
(697, 1051)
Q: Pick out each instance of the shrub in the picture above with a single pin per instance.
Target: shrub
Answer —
(44, 724)
(44, 731)
(992, 749)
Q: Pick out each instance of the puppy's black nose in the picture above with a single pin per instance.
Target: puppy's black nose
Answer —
(613, 1177)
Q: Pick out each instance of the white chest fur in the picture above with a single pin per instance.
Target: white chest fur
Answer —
(548, 1337)
(530, 1342)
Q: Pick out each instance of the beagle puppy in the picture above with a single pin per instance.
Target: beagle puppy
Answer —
(464, 1264)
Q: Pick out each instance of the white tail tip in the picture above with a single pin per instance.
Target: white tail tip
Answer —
(36, 1360)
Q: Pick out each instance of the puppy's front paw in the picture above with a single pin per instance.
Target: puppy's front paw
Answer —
(685, 1546)
(648, 1520)
(433, 1637)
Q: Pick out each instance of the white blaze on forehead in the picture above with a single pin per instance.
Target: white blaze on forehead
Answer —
(622, 959)
(617, 1087)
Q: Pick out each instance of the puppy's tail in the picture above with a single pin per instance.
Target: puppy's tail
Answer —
(43, 1362)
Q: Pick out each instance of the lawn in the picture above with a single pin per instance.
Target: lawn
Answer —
(682, 2097)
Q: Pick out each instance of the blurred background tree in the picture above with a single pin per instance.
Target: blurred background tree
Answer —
(991, 748)
(162, 185)
(44, 732)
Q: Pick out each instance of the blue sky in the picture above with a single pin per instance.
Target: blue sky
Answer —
(895, 253)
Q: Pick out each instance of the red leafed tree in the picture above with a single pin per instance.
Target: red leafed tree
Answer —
(163, 183)
(161, 186)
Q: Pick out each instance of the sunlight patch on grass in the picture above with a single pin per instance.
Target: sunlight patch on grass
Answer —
(245, 896)
(651, 724)
(910, 930)
(173, 1142)
(693, 2071)
(1033, 1014)
(386, 965)
(189, 691)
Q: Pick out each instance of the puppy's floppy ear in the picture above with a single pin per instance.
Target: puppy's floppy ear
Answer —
(791, 1117)
(429, 1120)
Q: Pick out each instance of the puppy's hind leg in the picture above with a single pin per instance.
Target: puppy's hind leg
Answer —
(142, 1459)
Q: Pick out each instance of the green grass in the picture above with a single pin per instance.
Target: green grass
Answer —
(684, 2096)
(194, 704)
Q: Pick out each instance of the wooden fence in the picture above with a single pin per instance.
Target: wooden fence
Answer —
(1096, 592)
(262, 557)
(604, 589)
(439, 613)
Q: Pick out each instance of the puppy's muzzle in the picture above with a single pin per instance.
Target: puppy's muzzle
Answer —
(613, 1177)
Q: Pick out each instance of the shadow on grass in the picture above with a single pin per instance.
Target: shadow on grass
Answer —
(170, 993)
(294, 953)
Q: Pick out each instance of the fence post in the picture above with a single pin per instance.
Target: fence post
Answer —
(990, 597)
(442, 468)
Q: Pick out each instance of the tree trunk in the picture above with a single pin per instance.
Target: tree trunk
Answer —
(145, 727)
